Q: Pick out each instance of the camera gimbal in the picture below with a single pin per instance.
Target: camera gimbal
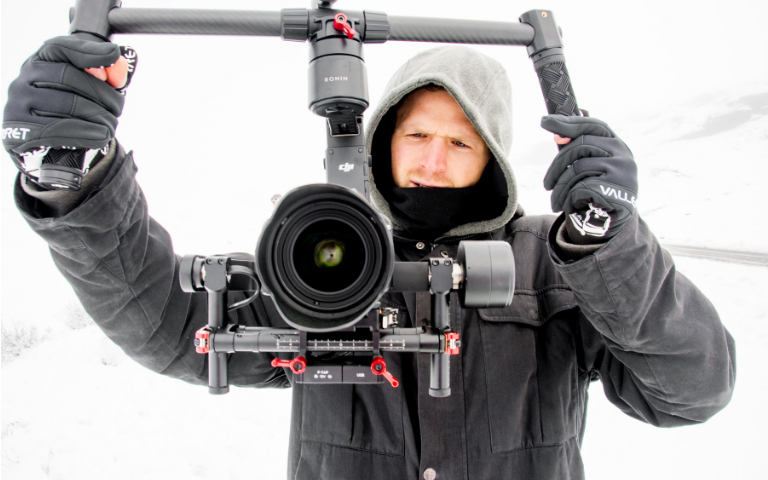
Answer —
(326, 256)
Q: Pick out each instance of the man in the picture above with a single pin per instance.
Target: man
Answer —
(596, 297)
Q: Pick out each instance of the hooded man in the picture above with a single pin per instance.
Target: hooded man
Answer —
(593, 300)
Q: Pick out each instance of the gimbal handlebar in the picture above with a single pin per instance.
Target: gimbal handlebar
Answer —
(536, 30)
(342, 302)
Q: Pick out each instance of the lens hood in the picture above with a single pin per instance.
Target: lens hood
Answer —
(313, 290)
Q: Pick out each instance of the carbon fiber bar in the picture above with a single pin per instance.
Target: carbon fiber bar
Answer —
(537, 30)
(448, 30)
(195, 22)
(264, 23)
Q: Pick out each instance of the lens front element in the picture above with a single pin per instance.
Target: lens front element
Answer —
(329, 255)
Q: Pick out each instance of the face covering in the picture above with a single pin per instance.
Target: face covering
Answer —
(428, 212)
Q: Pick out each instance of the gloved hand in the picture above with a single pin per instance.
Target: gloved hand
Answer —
(57, 113)
(593, 178)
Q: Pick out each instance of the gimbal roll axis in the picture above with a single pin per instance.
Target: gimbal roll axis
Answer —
(326, 256)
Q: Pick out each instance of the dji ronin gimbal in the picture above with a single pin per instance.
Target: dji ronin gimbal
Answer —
(326, 256)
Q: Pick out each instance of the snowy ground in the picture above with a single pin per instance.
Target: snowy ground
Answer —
(74, 406)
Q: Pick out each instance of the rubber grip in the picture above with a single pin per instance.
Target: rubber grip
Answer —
(557, 89)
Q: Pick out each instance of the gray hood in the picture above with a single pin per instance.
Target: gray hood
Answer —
(481, 87)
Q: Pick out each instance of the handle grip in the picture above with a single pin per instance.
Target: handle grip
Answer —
(557, 89)
(546, 52)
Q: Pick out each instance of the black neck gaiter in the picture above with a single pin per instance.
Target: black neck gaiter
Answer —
(428, 212)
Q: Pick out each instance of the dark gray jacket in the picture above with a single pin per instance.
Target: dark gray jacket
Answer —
(519, 387)
(622, 314)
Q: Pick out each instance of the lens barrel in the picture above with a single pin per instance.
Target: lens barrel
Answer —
(326, 257)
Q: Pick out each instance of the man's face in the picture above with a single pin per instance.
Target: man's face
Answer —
(435, 144)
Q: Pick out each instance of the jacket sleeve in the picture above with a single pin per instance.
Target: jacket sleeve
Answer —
(653, 338)
(121, 264)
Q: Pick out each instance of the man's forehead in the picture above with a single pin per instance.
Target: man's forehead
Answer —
(434, 108)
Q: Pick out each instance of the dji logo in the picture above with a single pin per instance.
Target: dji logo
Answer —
(346, 167)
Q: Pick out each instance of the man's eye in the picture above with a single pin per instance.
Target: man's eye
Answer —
(419, 135)
(460, 144)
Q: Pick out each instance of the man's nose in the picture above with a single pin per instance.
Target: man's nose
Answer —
(434, 157)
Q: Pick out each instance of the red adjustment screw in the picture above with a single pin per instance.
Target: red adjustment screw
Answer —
(297, 365)
(378, 367)
(452, 343)
(203, 340)
(340, 23)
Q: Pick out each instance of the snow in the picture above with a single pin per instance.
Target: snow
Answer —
(99, 413)
(214, 145)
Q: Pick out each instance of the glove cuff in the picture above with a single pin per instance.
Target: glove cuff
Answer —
(57, 203)
(562, 245)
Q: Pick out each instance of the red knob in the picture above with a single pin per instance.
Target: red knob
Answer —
(379, 367)
(452, 343)
(297, 365)
(203, 340)
(340, 23)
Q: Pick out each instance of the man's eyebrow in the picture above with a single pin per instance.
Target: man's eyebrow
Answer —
(462, 132)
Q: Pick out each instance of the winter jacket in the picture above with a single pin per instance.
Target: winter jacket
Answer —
(620, 313)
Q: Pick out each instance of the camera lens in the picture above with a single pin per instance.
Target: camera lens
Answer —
(325, 257)
(329, 256)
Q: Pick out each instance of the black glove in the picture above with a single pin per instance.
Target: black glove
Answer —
(54, 103)
(593, 178)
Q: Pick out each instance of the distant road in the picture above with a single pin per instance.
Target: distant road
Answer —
(729, 256)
